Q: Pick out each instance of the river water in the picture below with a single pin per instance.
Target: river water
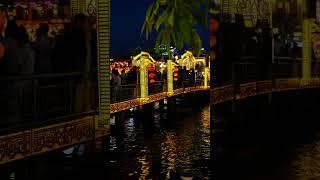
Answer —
(158, 142)
(261, 138)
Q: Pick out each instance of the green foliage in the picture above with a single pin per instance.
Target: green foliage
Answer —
(175, 20)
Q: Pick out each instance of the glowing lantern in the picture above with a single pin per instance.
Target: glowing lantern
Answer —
(152, 81)
(176, 74)
(214, 25)
(152, 75)
(213, 41)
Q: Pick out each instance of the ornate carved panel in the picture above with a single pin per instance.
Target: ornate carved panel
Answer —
(31, 142)
(117, 107)
(15, 146)
(264, 87)
(91, 7)
(247, 90)
(57, 136)
(178, 91)
(222, 94)
(255, 9)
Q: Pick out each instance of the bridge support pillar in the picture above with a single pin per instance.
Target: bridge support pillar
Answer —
(170, 77)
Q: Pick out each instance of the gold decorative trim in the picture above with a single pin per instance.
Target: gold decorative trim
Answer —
(222, 94)
(121, 106)
(226, 93)
(15, 146)
(264, 87)
(247, 90)
(39, 140)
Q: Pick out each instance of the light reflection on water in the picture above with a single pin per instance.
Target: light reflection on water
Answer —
(306, 164)
(168, 144)
(156, 144)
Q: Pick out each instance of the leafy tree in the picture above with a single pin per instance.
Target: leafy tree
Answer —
(174, 22)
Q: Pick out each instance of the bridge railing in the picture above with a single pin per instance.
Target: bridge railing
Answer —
(124, 92)
(243, 72)
(316, 68)
(286, 67)
(199, 82)
(26, 99)
(157, 87)
(250, 69)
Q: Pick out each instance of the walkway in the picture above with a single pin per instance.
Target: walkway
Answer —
(125, 105)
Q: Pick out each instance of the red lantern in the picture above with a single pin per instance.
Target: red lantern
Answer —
(151, 68)
(214, 25)
(152, 75)
(175, 74)
(213, 41)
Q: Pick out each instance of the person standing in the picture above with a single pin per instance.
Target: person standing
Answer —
(115, 84)
(43, 47)
(11, 43)
(123, 76)
(3, 24)
(3, 65)
(26, 64)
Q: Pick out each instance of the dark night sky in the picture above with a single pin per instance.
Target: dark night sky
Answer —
(127, 17)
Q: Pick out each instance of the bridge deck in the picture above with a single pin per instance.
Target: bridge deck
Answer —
(125, 105)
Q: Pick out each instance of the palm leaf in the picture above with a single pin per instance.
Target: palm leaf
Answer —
(174, 22)
(171, 18)
(162, 19)
(196, 42)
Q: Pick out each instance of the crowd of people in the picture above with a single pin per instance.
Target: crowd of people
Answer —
(74, 49)
(126, 83)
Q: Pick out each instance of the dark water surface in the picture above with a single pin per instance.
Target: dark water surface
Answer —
(156, 143)
(268, 141)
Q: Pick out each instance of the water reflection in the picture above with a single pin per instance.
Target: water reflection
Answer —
(306, 164)
(154, 144)
(159, 145)
(168, 153)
